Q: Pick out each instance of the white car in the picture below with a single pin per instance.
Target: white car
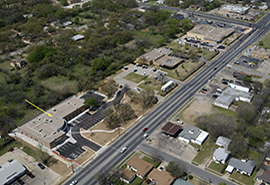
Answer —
(145, 135)
(123, 150)
(73, 182)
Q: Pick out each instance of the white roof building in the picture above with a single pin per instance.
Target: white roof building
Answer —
(10, 171)
(236, 9)
(193, 134)
(77, 37)
(160, 1)
(167, 85)
(221, 155)
(223, 142)
(264, 7)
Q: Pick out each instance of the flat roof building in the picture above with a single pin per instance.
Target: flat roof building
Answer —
(153, 55)
(236, 9)
(193, 134)
(161, 177)
(168, 61)
(168, 85)
(209, 33)
(171, 129)
(141, 167)
(50, 131)
(229, 95)
(10, 171)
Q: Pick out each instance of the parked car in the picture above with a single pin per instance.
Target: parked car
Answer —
(204, 89)
(10, 149)
(135, 70)
(145, 129)
(20, 181)
(30, 174)
(202, 92)
(123, 150)
(125, 68)
(41, 166)
(154, 70)
(236, 62)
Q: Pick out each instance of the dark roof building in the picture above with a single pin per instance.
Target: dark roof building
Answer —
(264, 176)
(127, 176)
(171, 129)
(141, 167)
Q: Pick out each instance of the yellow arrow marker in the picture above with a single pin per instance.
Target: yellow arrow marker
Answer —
(38, 108)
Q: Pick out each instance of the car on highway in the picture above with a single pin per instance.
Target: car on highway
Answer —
(123, 150)
(41, 166)
(145, 129)
(73, 182)
(145, 135)
(215, 68)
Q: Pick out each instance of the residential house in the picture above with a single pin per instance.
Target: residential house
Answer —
(141, 167)
(193, 134)
(161, 177)
(221, 155)
(127, 176)
(223, 142)
(264, 176)
(242, 166)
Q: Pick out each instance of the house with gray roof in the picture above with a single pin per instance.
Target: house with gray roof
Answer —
(242, 166)
(223, 142)
(221, 155)
(193, 134)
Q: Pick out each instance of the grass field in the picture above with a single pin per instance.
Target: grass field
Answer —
(204, 53)
(183, 71)
(134, 77)
(216, 167)
(207, 149)
(11, 145)
(229, 113)
(266, 41)
(151, 161)
(151, 84)
(243, 178)
(60, 82)
(152, 38)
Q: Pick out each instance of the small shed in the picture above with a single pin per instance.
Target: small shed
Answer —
(223, 142)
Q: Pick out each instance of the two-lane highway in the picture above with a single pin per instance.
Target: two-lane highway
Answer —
(133, 137)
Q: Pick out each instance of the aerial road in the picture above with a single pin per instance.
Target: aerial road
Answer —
(111, 156)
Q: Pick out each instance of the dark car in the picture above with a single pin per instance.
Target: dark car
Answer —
(41, 166)
(135, 70)
(145, 129)
(30, 174)
(20, 181)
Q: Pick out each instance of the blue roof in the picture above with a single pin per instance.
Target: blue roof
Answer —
(181, 182)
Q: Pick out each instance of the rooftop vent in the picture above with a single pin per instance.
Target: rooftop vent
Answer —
(191, 131)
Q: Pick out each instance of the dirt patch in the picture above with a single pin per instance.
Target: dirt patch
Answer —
(86, 156)
(199, 106)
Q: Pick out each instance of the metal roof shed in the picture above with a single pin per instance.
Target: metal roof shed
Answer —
(171, 129)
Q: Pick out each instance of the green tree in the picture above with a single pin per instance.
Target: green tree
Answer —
(90, 102)
(261, 43)
(175, 168)
(247, 80)
(64, 2)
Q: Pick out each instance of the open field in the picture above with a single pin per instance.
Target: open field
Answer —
(150, 37)
(266, 41)
(59, 83)
(185, 48)
(243, 178)
(183, 71)
(134, 77)
(207, 149)
(217, 167)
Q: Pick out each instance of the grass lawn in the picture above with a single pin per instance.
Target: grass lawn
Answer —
(13, 144)
(152, 38)
(60, 82)
(266, 41)
(126, 159)
(151, 161)
(216, 167)
(203, 53)
(230, 113)
(137, 181)
(184, 70)
(151, 84)
(243, 178)
(207, 149)
(134, 77)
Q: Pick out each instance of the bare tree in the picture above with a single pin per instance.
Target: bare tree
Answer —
(155, 153)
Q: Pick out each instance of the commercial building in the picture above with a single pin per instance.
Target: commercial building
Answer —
(223, 142)
(10, 171)
(127, 176)
(161, 177)
(141, 167)
(242, 166)
(260, 52)
(168, 85)
(221, 155)
(210, 34)
(238, 86)
(50, 131)
(236, 9)
(193, 134)
(168, 61)
(229, 95)
(171, 129)
(153, 55)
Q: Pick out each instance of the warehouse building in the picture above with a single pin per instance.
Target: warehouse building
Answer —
(50, 131)
(210, 34)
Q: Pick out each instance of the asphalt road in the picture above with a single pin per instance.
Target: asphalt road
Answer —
(203, 15)
(133, 137)
(190, 168)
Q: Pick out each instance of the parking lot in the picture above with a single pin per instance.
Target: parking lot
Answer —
(45, 176)
(70, 150)
(248, 62)
(91, 94)
(96, 118)
(79, 119)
